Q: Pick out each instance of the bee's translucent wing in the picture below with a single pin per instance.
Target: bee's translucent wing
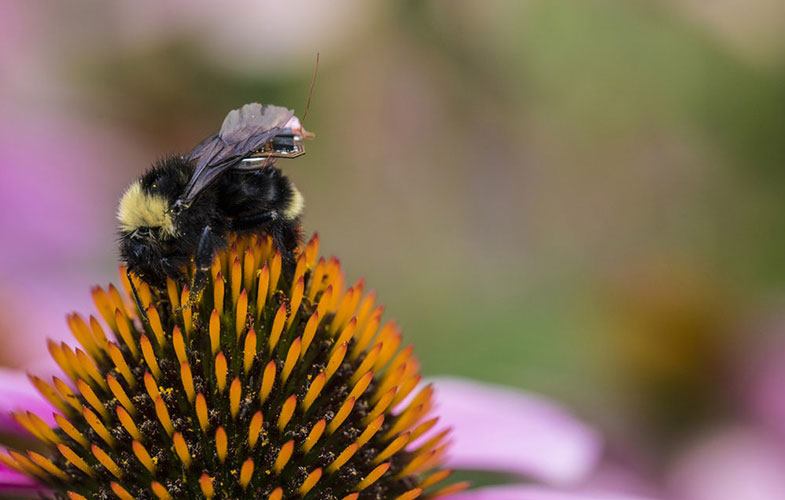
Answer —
(244, 131)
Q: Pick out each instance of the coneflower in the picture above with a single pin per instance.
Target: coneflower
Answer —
(267, 387)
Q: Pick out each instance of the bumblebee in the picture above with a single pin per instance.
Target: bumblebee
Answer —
(183, 208)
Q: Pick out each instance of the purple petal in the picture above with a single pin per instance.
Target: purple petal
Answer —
(18, 393)
(764, 379)
(533, 493)
(496, 428)
(732, 464)
(11, 480)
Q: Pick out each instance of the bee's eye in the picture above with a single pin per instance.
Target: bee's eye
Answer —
(142, 232)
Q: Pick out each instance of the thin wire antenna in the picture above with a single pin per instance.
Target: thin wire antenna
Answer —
(268, 161)
(310, 89)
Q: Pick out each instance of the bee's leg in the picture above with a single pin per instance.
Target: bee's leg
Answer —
(286, 239)
(175, 273)
(203, 260)
(172, 271)
(284, 234)
(136, 296)
(254, 222)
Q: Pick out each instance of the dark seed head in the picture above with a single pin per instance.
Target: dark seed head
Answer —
(266, 388)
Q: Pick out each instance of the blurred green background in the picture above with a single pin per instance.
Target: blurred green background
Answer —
(579, 198)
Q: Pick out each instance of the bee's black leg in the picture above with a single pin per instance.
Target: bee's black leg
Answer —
(283, 242)
(203, 260)
(255, 222)
(136, 296)
(172, 271)
(283, 233)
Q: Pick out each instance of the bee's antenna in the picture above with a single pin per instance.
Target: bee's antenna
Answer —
(269, 160)
(136, 296)
(310, 89)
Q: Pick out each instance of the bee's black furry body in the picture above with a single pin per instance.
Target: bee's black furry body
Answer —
(181, 211)
(260, 201)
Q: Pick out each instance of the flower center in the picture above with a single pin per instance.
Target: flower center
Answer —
(269, 386)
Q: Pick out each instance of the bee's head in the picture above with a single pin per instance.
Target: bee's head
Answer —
(144, 214)
(145, 211)
(144, 224)
(146, 221)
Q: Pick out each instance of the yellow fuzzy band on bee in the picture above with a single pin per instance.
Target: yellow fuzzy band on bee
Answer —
(141, 209)
(296, 205)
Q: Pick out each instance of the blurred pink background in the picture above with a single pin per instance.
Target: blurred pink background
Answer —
(583, 199)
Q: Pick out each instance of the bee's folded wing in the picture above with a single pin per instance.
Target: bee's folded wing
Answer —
(243, 132)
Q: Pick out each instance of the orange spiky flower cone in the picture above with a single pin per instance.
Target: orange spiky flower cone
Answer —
(266, 387)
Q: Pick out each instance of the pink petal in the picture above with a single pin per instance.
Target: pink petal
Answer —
(496, 428)
(11, 480)
(533, 493)
(732, 464)
(18, 393)
(764, 379)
